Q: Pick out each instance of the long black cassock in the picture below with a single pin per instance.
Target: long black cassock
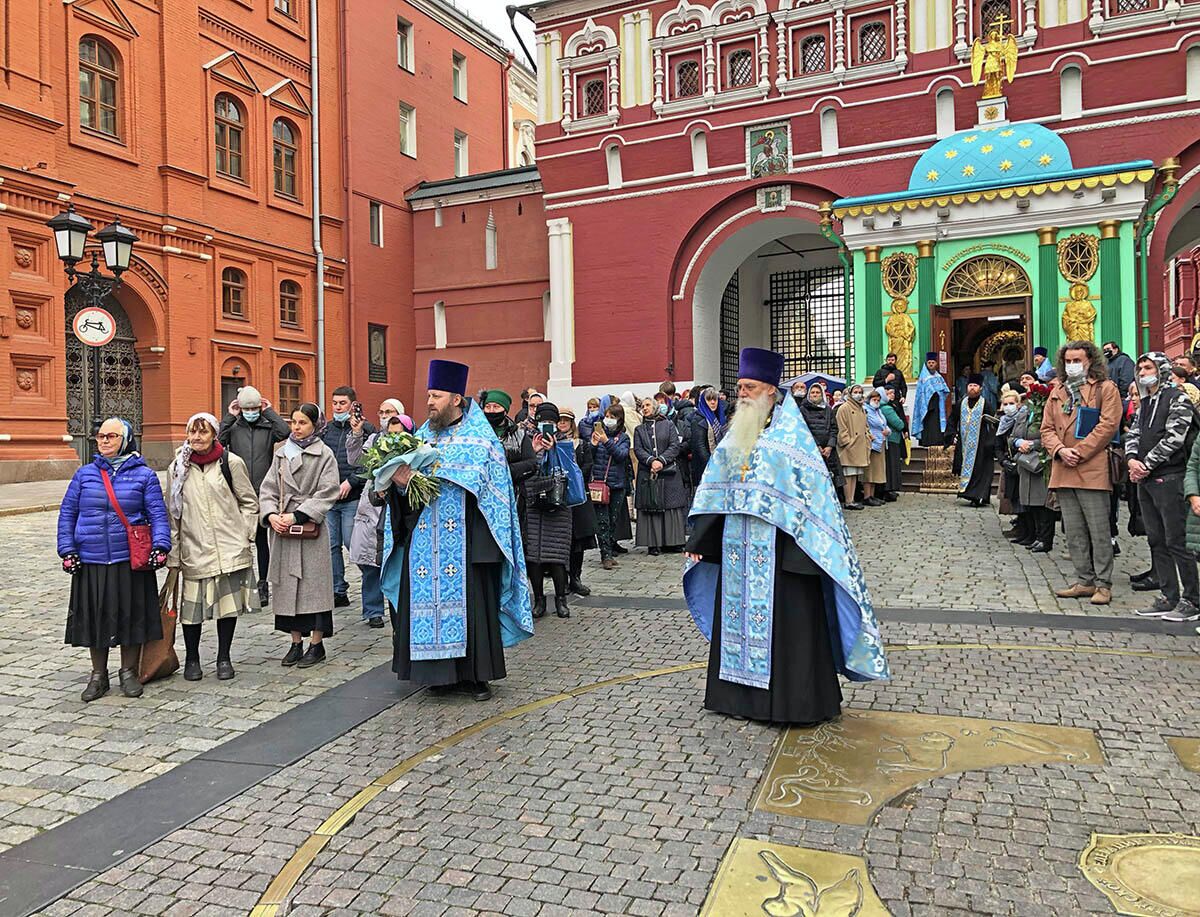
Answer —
(979, 486)
(804, 686)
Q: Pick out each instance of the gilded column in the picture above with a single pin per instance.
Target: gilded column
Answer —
(1046, 307)
(873, 308)
(926, 297)
(1110, 282)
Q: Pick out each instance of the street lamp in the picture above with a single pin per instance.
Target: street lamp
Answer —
(70, 238)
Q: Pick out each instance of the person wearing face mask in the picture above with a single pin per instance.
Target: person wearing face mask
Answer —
(1158, 445)
(1010, 504)
(517, 444)
(854, 445)
(214, 516)
(1080, 418)
(894, 456)
(250, 430)
(821, 424)
(660, 494)
(610, 458)
(708, 426)
(1120, 367)
(340, 519)
(1025, 443)
(877, 428)
(973, 432)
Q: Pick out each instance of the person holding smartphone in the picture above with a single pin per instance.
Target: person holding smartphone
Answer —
(610, 459)
(548, 528)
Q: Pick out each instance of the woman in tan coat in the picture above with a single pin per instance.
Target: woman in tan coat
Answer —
(214, 518)
(853, 442)
(300, 487)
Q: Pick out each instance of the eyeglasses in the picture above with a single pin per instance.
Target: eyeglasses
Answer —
(105, 437)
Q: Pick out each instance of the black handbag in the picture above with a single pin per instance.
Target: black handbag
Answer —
(1030, 461)
(548, 491)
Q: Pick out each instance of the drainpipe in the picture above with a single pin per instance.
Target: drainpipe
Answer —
(315, 169)
(827, 230)
(1146, 226)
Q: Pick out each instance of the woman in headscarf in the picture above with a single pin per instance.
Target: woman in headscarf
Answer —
(300, 488)
(853, 443)
(893, 413)
(877, 427)
(112, 604)
(214, 520)
(583, 516)
(661, 496)
(821, 424)
(708, 426)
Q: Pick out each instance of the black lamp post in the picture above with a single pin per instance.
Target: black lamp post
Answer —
(70, 237)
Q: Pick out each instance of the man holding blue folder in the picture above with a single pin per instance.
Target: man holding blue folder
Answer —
(1078, 423)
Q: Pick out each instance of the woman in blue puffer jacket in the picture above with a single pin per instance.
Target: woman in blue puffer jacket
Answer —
(111, 603)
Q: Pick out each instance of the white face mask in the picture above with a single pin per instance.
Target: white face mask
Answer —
(857, 396)
(1145, 383)
(610, 423)
(1076, 371)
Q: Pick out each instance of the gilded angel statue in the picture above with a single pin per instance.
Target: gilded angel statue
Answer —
(995, 60)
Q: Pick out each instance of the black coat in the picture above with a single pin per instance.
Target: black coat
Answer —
(254, 443)
(659, 439)
(334, 437)
(583, 517)
(701, 452)
(547, 534)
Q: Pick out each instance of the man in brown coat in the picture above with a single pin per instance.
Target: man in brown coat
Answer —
(1078, 423)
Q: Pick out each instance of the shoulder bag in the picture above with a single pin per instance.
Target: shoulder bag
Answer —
(138, 535)
(1030, 461)
(158, 658)
(303, 530)
(599, 491)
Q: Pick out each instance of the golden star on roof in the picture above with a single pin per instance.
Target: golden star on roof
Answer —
(986, 148)
(1045, 159)
(1025, 144)
(970, 138)
(950, 154)
(1007, 133)
(1006, 165)
(968, 170)
(931, 175)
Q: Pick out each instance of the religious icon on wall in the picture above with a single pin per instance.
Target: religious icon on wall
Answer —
(768, 150)
(377, 353)
(1079, 315)
(995, 60)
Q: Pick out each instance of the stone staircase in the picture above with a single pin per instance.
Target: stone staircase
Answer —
(913, 474)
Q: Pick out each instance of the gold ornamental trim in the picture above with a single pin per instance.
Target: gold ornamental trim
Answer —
(899, 273)
(1078, 257)
(871, 253)
(925, 248)
(986, 277)
(985, 247)
(1047, 234)
(1145, 875)
(1109, 229)
(1004, 194)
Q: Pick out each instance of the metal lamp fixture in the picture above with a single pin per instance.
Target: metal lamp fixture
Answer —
(117, 241)
(70, 235)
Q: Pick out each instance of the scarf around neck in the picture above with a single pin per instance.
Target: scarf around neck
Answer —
(318, 429)
(186, 458)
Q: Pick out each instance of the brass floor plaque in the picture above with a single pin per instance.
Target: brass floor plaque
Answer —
(1188, 752)
(757, 879)
(1146, 875)
(846, 770)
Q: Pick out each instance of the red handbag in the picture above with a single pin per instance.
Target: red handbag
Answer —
(599, 491)
(139, 535)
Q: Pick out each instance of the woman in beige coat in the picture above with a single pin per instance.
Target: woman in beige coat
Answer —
(301, 487)
(853, 442)
(214, 517)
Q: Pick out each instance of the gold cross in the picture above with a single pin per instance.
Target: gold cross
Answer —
(745, 470)
(1000, 22)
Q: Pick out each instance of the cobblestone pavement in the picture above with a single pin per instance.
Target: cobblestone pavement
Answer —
(624, 799)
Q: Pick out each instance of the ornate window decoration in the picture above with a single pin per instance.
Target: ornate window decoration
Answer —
(899, 273)
(872, 42)
(1119, 15)
(592, 47)
(819, 44)
(814, 58)
(595, 100)
(693, 29)
(229, 131)
(233, 293)
(99, 87)
(291, 384)
(1078, 257)
(986, 277)
(1121, 7)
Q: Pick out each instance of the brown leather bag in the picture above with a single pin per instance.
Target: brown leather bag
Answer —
(159, 658)
(302, 530)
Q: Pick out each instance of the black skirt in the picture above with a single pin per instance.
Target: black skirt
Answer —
(305, 624)
(113, 605)
(804, 682)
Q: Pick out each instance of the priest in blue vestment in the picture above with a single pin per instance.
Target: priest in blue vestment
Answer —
(973, 427)
(929, 411)
(454, 570)
(773, 579)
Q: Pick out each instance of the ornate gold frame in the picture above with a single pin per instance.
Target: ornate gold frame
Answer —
(1091, 250)
(899, 274)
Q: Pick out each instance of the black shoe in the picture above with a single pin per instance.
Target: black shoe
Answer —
(889, 498)
(1138, 577)
(653, 552)
(872, 501)
(1146, 585)
(130, 686)
(480, 691)
(441, 690)
(854, 506)
(1039, 548)
(375, 622)
(560, 606)
(314, 654)
(192, 670)
(264, 593)
(1027, 541)
(294, 654)
(576, 586)
(617, 549)
(539, 607)
(225, 670)
(341, 600)
(1116, 548)
(1033, 544)
(97, 686)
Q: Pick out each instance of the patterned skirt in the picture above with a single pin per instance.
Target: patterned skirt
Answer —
(112, 605)
(225, 595)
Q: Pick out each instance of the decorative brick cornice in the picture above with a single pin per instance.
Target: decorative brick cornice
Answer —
(229, 34)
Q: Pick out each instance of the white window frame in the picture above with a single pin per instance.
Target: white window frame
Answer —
(612, 163)
(490, 243)
(458, 76)
(408, 130)
(439, 325)
(405, 45)
(375, 222)
(462, 159)
(699, 152)
(829, 132)
(944, 111)
(1070, 92)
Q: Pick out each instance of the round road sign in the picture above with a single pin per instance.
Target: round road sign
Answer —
(94, 326)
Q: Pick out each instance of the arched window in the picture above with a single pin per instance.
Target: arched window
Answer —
(741, 69)
(229, 127)
(687, 79)
(813, 58)
(593, 98)
(872, 43)
(289, 303)
(990, 13)
(99, 87)
(944, 109)
(285, 138)
(612, 159)
(699, 153)
(233, 293)
(829, 132)
(1070, 92)
(291, 381)
(1192, 63)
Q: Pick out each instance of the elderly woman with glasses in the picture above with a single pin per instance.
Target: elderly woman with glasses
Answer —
(111, 603)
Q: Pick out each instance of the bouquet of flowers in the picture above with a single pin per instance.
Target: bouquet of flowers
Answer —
(391, 450)
(1035, 398)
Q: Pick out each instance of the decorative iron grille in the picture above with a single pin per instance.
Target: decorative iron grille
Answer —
(986, 277)
(593, 97)
(812, 53)
(741, 69)
(730, 335)
(807, 320)
(872, 43)
(687, 79)
(1130, 6)
(991, 11)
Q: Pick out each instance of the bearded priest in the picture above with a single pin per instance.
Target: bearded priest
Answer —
(773, 580)
(454, 570)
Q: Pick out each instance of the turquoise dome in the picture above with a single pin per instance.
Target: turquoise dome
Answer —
(1009, 154)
